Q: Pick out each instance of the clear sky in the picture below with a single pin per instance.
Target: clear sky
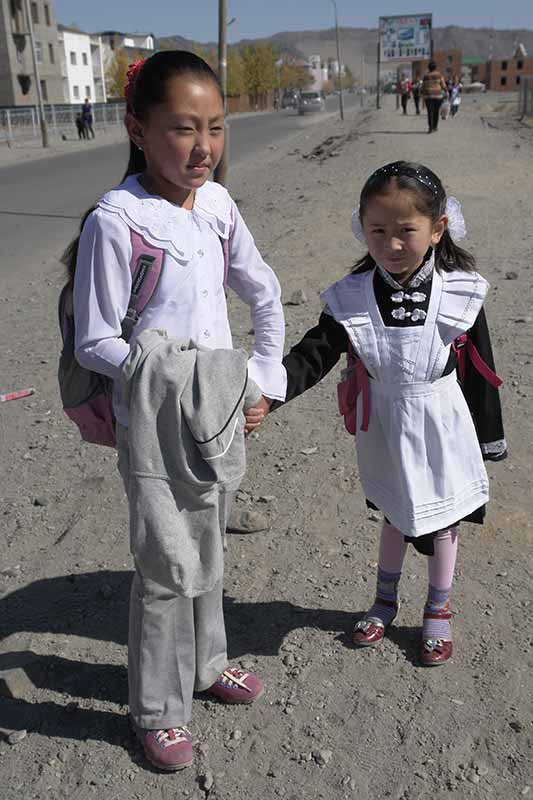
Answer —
(198, 19)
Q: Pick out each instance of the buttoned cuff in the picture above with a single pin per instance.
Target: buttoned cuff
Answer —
(270, 375)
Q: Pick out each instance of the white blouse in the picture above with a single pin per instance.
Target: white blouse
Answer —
(189, 301)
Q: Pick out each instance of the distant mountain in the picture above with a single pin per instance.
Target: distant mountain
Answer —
(358, 42)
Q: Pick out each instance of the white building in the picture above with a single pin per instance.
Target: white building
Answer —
(82, 66)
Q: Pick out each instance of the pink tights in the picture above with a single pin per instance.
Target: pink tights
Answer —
(441, 565)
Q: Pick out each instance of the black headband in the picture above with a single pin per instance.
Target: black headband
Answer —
(399, 168)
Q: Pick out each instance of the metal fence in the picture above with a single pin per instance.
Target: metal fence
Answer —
(526, 97)
(22, 124)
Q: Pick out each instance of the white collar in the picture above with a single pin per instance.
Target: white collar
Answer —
(164, 224)
(419, 277)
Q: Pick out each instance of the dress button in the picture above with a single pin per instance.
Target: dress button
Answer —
(204, 293)
(207, 334)
(200, 253)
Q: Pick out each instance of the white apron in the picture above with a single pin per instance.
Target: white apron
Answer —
(419, 461)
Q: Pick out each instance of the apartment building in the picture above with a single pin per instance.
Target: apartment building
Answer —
(17, 82)
(82, 66)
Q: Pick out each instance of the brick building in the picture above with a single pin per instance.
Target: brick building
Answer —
(449, 63)
(17, 82)
(504, 74)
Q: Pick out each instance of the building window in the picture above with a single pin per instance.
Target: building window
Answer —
(76, 92)
(73, 59)
(503, 81)
(518, 79)
(47, 14)
(44, 91)
(520, 65)
(34, 14)
(504, 65)
(88, 92)
(84, 59)
(39, 52)
(449, 59)
(51, 53)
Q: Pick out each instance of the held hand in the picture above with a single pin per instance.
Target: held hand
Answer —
(255, 415)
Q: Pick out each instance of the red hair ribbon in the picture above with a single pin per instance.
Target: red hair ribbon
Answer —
(133, 71)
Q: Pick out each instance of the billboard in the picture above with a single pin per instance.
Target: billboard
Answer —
(405, 38)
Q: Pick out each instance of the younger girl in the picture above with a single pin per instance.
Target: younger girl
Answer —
(402, 315)
(175, 122)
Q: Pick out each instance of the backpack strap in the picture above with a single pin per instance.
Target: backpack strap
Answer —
(463, 347)
(145, 265)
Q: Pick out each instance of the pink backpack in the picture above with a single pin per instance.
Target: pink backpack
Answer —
(86, 395)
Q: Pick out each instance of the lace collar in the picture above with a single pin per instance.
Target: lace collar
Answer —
(419, 277)
(164, 224)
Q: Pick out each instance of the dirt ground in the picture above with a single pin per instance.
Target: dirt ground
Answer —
(335, 722)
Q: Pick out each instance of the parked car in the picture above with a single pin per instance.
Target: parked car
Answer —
(289, 99)
(310, 101)
(477, 86)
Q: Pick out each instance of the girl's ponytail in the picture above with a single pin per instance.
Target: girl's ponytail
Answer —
(449, 256)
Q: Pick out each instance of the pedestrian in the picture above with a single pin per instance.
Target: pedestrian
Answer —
(455, 95)
(407, 315)
(433, 91)
(87, 117)
(416, 89)
(175, 122)
(405, 92)
(82, 130)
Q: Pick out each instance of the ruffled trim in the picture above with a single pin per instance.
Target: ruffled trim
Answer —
(164, 224)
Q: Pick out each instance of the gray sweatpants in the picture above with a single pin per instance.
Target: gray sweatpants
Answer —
(176, 644)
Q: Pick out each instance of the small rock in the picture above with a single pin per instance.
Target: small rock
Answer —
(236, 735)
(266, 498)
(11, 572)
(40, 501)
(516, 725)
(511, 275)
(308, 451)
(298, 298)
(526, 790)
(323, 757)
(207, 780)
(374, 516)
(524, 320)
(246, 522)
(17, 736)
(247, 664)
(473, 777)
(289, 660)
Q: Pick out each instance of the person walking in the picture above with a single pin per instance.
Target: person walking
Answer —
(87, 117)
(433, 90)
(405, 92)
(455, 95)
(415, 91)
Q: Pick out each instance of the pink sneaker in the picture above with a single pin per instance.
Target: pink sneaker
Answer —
(169, 749)
(236, 686)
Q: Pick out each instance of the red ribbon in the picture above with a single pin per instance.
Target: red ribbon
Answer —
(133, 71)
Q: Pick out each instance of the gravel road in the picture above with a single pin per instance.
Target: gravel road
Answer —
(335, 722)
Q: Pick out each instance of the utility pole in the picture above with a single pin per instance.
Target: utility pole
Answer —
(222, 169)
(42, 117)
(341, 103)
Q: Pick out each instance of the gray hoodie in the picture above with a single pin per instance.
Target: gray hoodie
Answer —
(186, 445)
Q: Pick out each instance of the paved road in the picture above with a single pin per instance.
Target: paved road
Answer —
(41, 201)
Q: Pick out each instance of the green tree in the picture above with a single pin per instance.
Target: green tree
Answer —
(116, 74)
(348, 80)
(260, 71)
(294, 77)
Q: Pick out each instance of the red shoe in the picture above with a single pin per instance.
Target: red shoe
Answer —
(169, 749)
(370, 630)
(234, 685)
(435, 652)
